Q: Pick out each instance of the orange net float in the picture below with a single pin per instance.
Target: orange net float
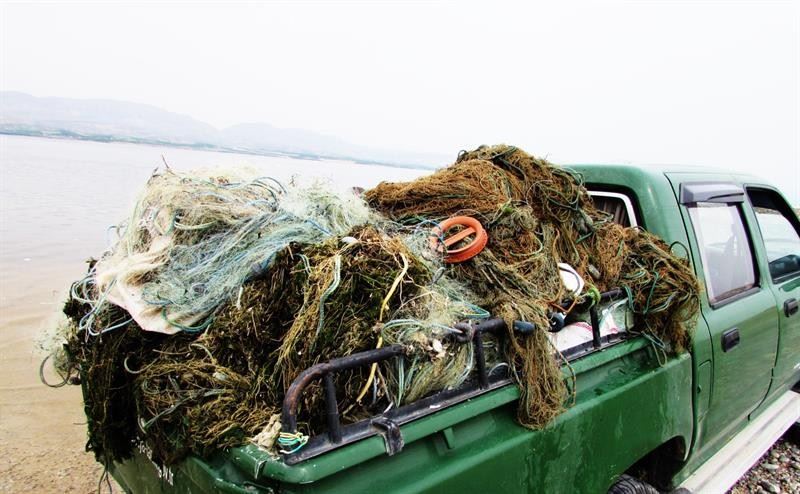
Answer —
(470, 226)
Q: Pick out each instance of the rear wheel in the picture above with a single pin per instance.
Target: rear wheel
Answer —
(793, 434)
(626, 484)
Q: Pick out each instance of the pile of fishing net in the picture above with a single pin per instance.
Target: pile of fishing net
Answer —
(221, 289)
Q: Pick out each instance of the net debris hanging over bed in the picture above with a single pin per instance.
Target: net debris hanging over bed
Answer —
(221, 290)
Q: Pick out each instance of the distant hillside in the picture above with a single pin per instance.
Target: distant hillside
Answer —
(100, 117)
(110, 120)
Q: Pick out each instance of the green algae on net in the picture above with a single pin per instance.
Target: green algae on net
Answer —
(221, 290)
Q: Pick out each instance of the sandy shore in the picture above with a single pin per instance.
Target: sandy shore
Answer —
(42, 430)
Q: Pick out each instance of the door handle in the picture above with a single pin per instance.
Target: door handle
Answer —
(730, 339)
(790, 307)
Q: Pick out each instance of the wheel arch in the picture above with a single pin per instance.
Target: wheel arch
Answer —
(660, 465)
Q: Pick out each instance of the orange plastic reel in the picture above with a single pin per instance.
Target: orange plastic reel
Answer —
(471, 226)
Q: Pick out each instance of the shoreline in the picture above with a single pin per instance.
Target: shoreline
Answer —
(212, 148)
(42, 430)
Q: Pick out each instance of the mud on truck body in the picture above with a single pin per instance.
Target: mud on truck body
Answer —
(697, 420)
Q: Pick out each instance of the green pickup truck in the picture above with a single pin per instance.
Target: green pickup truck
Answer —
(640, 422)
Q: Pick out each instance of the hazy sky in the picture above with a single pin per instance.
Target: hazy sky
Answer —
(687, 82)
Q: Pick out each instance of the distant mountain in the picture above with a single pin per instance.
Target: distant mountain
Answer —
(110, 120)
(101, 117)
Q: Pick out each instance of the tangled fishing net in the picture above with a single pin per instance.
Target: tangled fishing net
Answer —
(220, 290)
(537, 216)
(192, 241)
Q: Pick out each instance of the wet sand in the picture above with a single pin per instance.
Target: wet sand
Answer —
(42, 430)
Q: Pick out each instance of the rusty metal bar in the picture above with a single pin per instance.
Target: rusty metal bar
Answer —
(326, 370)
(289, 410)
(594, 316)
(334, 427)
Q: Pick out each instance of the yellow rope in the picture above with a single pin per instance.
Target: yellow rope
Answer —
(384, 306)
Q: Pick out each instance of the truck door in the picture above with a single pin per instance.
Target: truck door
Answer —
(779, 229)
(737, 304)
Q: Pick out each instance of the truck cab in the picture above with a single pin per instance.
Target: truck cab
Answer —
(697, 420)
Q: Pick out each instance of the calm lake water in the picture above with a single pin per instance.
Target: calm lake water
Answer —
(58, 197)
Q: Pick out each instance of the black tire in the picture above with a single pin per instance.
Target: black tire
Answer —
(793, 434)
(626, 484)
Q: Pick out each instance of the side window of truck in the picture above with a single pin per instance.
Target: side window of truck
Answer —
(779, 228)
(725, 249)
(618, 205)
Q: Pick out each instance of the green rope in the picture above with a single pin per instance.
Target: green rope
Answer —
(188, 329)
(593, 293)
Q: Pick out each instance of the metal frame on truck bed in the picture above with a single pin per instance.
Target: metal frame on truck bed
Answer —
(387, 424)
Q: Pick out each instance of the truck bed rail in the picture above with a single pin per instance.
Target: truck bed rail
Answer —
(387, 424)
